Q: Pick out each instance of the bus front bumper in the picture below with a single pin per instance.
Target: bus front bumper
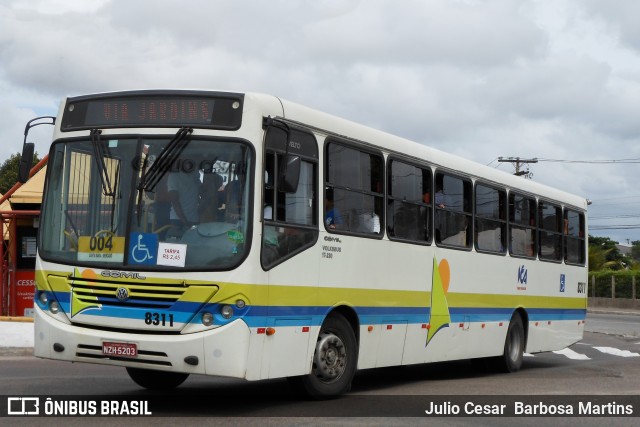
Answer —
(222, 351)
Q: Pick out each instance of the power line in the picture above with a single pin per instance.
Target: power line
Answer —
(538, 159)
(632, 196)
(621, 216)
(615, 227)
(596, 162)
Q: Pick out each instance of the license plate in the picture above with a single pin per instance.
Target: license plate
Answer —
(119, 349)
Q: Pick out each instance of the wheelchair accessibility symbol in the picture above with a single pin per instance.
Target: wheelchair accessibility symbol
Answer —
(143, 248)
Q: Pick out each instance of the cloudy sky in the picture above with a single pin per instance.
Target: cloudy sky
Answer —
(554, 80)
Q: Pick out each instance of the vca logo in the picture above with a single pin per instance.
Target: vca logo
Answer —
(522, 275)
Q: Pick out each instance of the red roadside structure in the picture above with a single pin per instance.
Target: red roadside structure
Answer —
(20, 217)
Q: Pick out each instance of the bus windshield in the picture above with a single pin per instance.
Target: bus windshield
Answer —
(147, 202)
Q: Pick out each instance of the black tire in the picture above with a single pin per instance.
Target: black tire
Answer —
(156, 380)
(514, 343)
(334, 360)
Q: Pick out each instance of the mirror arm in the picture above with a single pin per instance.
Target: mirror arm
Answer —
(28, 148)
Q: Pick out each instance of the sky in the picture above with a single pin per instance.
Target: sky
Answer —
(557, 81)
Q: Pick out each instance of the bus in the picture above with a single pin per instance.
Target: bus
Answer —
(242, 235)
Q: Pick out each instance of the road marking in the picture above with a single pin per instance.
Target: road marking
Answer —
(617, 352)
(567, 352)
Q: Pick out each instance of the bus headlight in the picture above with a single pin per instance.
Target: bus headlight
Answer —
(54, 307)
(207, 318)
(43, 298)
(226, 311)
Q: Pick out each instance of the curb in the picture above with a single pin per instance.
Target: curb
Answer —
(613, 310)
(16, 351)
(15, 319)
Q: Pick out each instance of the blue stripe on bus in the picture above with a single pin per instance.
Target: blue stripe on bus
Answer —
(537, 314)
(257, 316)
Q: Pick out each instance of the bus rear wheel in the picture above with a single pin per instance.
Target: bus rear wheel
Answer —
(511, 359)
(334, 360)
(156, 380)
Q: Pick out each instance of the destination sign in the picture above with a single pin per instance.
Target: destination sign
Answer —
(153, 109)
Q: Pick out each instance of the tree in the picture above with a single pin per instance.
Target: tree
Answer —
(604, 254)
(598, 259)
(635, 250)
(9, 171)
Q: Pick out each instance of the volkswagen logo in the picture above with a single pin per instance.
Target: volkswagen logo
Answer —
(122, 294)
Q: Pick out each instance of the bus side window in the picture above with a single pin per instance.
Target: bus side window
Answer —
(490, 219)
(408, 202)
(574, 237)
(453, 216)
(354, 190)
(290, 222)
(522, 226)
(550, 232)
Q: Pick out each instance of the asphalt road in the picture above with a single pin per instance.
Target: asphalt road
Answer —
(614, 323)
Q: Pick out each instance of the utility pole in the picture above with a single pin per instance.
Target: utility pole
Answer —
(518, 162)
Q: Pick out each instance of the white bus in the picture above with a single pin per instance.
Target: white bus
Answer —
(241, 235)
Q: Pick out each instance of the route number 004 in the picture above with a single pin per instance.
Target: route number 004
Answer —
(101, 243)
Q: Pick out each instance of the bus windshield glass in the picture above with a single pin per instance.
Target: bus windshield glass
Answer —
(177, 202)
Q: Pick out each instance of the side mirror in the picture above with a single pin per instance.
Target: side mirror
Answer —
(26, 161)
(278, 137)
(290, 174)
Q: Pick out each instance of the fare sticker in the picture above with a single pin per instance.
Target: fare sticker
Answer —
(172, 254)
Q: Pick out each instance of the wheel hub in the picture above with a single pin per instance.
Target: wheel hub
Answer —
(330, 358)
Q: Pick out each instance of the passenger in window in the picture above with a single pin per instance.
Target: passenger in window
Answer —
(370, 222)
(184, 192)
(332, 217)
(426, 197)
(210, 196)
(233, 197)
(162, 208)
(439, 197)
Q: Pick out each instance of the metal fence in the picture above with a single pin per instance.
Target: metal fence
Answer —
(614, 290)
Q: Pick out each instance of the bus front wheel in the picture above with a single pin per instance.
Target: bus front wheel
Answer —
(334, 360)
(156, 380)
(511, 359)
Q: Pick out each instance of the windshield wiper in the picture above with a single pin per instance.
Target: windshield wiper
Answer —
(113, 200)
(99, 154)
(164, 161)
